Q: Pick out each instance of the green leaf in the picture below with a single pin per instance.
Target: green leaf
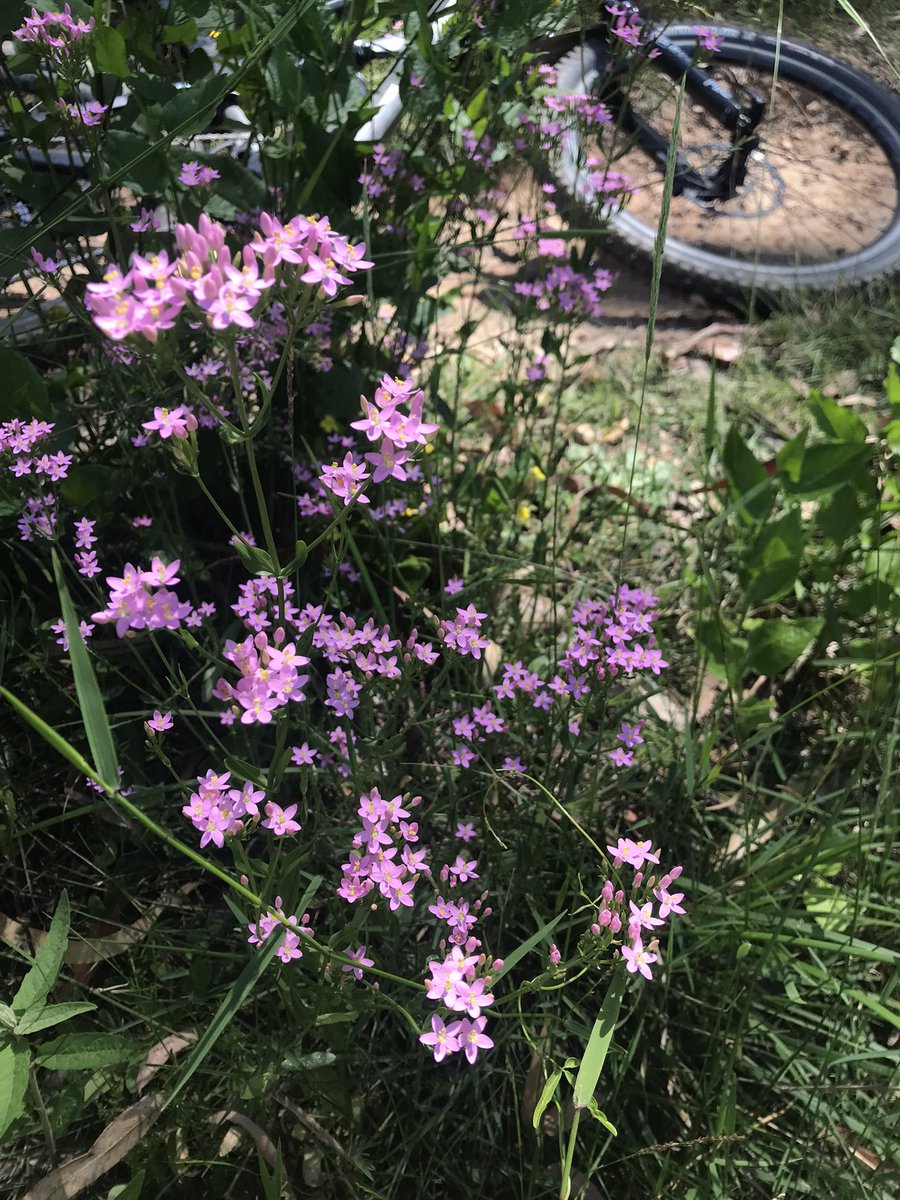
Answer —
(284, 80)
(45, 1016)
(24, 393)
(840, 515)
(182, 34)
(301, 551)
(192, 109)
(84, 1051)
(546, 1096)
(777, 643)
(839, 424)
(109, 52)
(90, 701)
(774, 559)
(745, 474)
(789, 459)
(15, 1062)
(130, 160)
(91, 486)
(236, 998)
(599, 1115)
(826, 466)
(600, 1040)
(40, 979)
(527, 946)
(255, 560)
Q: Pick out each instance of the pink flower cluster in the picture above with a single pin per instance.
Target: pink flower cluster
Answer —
(635, 912)
(20, 437)
(272, 921)
(386, 172)
(374, 859)
(39, 518)
(84, 113)
(270, 677)
(226, 289)
(709, 40)
(58, 32)
(607, 633)
(571, 291)
(462, 634)
(143, 599)
(627, 26)
(579, 104)
(395, 433)
(455, 983)
(218, 810)
(192, 174)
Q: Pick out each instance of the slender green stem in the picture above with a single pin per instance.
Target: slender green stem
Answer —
(42, 1114)
(565, 1187)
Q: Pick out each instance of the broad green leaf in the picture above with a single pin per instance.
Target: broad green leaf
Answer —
(46, 1016)
(109, 51)
(15, 1061)
(778, 642)
(45, 968)
(600, 1040)
(192, 109)
(131, 160)
(745, 474)
(839, 424)
(789, 459)
(828, 465)
(546, 1096)
(182, 34)
(84, 1051)
(90, 701)
(773, 561)
(840, 515)
(24, 393)
(527, 946)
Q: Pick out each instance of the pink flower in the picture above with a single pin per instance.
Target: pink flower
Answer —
(360, 956)
(159, 722)
(442, 1041)
(470, 1036)
(281, 821)
(638, 959)
(303, 755)
(453, 586)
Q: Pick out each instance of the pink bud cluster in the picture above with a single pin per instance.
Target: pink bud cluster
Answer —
(270, 677)
(633, 911)
(457, 985)
(386, 826)
(143, 599)
(226, 289)
(270, 923)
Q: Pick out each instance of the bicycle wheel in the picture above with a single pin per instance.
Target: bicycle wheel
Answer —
(820, 207)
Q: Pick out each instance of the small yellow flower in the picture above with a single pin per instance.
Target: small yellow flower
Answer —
(523, 512)
(214, 33)
(411, 512)
(328, 424)
(429, 447)
(538, 474)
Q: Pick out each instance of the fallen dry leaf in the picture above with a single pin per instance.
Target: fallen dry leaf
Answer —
(159, 1054)
(263, 1142)
(116, 1141)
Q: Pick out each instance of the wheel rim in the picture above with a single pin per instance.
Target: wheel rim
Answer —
(821, 191)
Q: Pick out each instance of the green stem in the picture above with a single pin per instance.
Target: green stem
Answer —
(42, 1114)
(565, 1187)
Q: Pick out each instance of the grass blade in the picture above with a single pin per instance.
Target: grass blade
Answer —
(600, 1041)
(93, 710)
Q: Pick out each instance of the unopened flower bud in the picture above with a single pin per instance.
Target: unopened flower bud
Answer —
(638, 877)
(619, 896)
(596, 929)
(615, 923)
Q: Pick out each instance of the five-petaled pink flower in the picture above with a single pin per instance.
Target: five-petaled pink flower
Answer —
(160, 722)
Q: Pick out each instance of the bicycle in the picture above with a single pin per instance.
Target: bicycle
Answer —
(775, 166)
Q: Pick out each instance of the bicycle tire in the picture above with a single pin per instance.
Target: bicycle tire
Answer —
(873, 106)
